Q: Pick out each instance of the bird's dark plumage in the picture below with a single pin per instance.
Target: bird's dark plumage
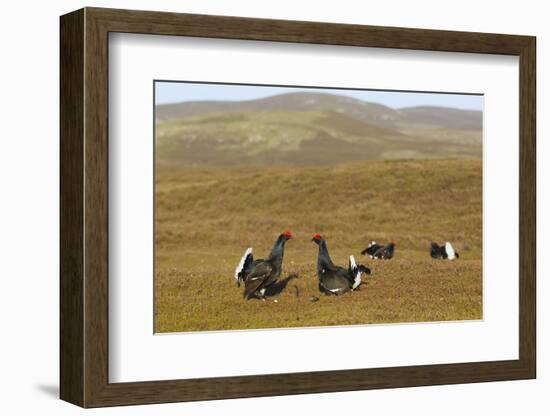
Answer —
(385, 252)
(335, 280)
(259, 274)
(445, 252)
(371, 249)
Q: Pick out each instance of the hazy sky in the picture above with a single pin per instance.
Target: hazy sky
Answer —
(175, 92)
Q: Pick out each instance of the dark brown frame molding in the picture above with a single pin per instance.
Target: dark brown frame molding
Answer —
(84, 207)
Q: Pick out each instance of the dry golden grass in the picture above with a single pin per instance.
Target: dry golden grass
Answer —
(207, 217)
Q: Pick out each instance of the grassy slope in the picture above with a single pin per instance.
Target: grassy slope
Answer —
(301, 137)
(205, 218)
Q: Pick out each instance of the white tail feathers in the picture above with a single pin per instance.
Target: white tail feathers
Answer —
(450, 251)
(352, 263)
(354, 269)
(240, 266)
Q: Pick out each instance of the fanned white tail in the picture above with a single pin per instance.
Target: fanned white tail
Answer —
(354, 269)
(239, 269)
(450, 251)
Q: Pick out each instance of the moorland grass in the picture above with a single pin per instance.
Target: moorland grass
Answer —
(206, 217)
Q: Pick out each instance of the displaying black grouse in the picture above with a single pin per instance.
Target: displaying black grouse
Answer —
(371, 249)
(385, 252)
(335, 280)
(446, 252)
(259, 274)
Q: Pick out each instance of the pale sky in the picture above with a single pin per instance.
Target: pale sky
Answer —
(175, 92)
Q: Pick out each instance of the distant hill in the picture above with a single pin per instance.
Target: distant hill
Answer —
(283, 102)
(451, 118)
(361, 110)
(310, 128)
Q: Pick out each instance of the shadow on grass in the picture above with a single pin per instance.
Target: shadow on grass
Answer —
(277, 287)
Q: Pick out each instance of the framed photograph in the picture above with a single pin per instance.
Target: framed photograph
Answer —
(255, 207)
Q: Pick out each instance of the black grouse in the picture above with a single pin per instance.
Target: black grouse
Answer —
(371, 249)
(258, 275)
(385, 252)
(335, 280)
(446, 252)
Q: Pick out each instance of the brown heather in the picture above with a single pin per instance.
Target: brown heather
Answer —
(207, 217)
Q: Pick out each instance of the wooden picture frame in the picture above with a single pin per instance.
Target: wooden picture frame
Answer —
(84, 207)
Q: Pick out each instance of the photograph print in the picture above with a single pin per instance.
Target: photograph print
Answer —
(295, 206)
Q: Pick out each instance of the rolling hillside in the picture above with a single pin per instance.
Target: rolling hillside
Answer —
(368, 112)
(307, 128)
